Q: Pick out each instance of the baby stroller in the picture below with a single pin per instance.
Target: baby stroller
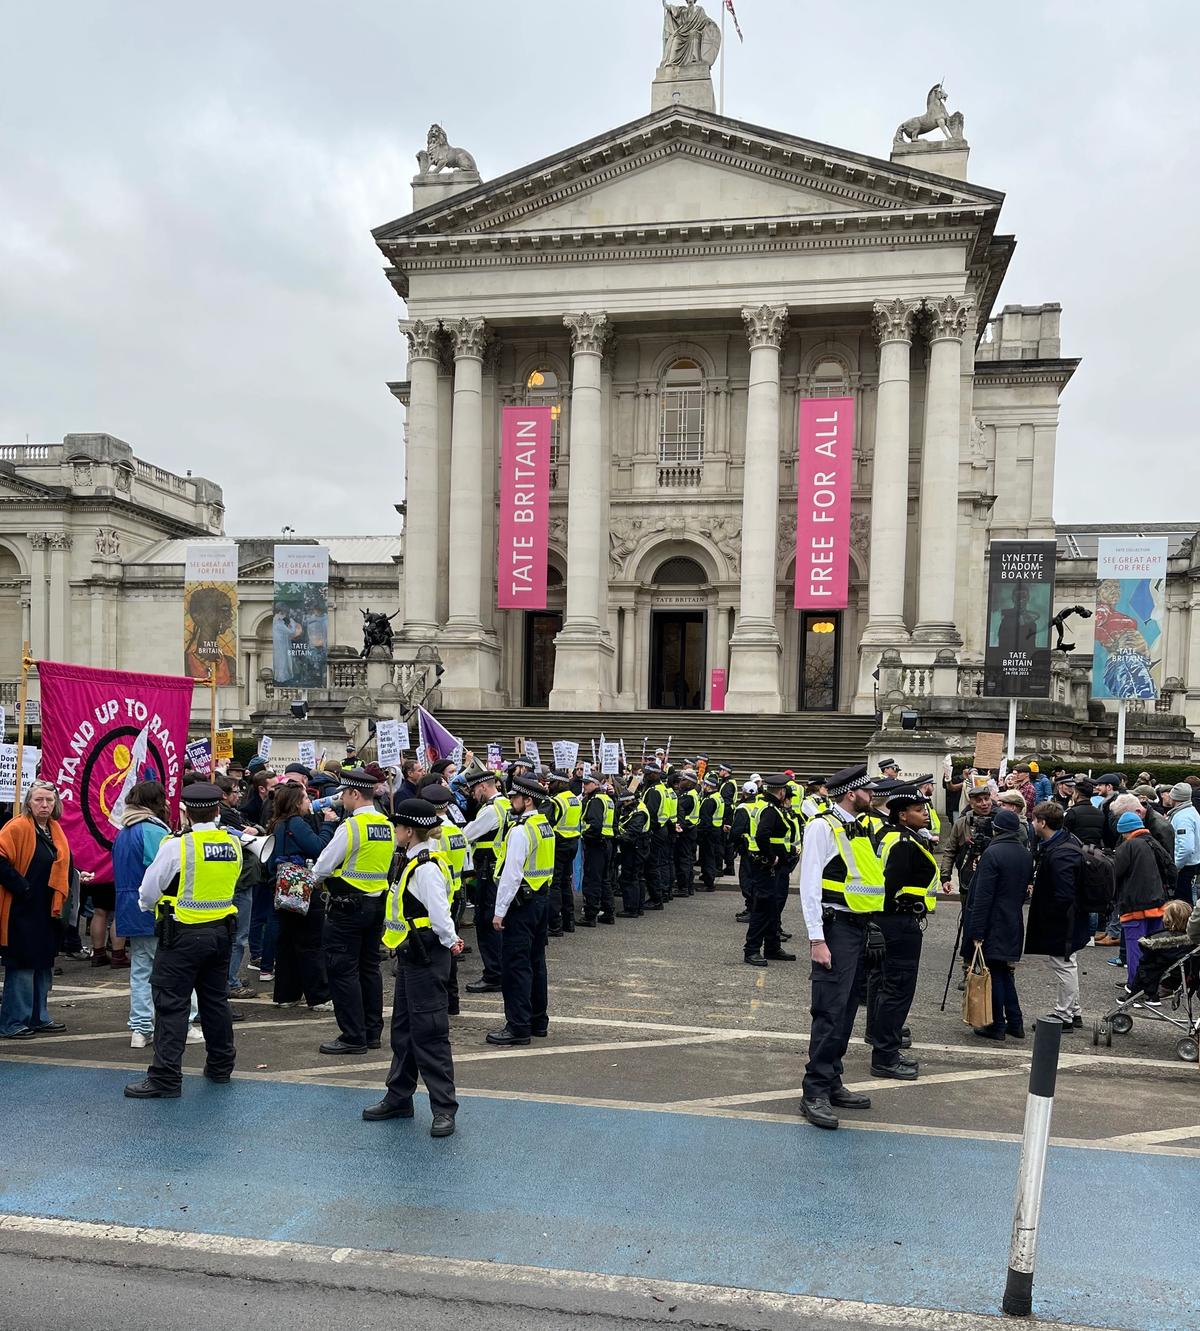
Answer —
(1167, 981)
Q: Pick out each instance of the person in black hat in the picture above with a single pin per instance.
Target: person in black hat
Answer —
(418, 925)
(356, 867)
(889, 767)
(687, 831)
(597, 826)
(565, 814)
(911, 880)
(712, 822)
(520, 917)
(486, 833)
(727, 789)
(653, 798)
(190, 885)
(841, 886)
(773, 847)
(633, 833)
(816, 800)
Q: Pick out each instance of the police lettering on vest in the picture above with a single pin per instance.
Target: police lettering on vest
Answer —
(454, 849)
(570, 811)
(539, 854)
(369, 850)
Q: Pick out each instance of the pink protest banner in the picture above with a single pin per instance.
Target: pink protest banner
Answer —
(823, 478)
(524, 509)
(103, 731)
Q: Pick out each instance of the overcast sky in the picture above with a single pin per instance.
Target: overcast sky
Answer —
(186, 195)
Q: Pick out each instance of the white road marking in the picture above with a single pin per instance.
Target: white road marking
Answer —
(66, 1037)
(877, 1084)
(801, 1307)
(1156, 1138)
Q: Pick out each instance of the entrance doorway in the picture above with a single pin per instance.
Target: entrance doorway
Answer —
(677, 659)
(541, 628)
(820, 661)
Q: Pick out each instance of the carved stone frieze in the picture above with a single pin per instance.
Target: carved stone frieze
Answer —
(860, 531)
(83, 473)
(626, 534)
(726, 534)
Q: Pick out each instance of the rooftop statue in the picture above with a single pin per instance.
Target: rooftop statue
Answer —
(690, 37)
(935, 117)
(438, 155)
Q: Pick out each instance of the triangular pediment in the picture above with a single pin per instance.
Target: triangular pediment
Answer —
(685, 166)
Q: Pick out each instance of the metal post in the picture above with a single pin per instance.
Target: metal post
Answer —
(1121, 732)
(1012, 729)
(1031, 1177)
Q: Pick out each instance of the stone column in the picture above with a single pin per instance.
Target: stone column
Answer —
(889, 487)
(947, 322)
(471, 657)
(421, 488)
(583, 662)
(754, 649)
(39, 597)
(60, 597)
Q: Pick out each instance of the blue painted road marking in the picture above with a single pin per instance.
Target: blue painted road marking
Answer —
(882, 1217)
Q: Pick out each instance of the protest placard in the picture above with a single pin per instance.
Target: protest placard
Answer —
(533, 753)
(224, 752)
(989, 749)
(306, 750)
(610, 758)
(495, 758)
(387, 737)
(264, 748)
(8, 770)
(199, 754)
(566, 754)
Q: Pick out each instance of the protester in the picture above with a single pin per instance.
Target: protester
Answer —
(35, 865)
(994, 919)
(299, 959)
(1159, 952)
(1142, 867)
(1058, 927)
(1020, 779)
(1185, 820)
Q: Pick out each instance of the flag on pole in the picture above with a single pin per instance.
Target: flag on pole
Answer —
(436, 740)
(737, 27)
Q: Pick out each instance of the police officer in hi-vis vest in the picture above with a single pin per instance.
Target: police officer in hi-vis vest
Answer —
(727, 789)
(485, 833)
(655, 800)
(597, 826)
(356, 867)
(525, 868)
(418, 925)
(565, 815)
(711, 833)
(772, 851)
(190, 886)
(742, 831)
(687, 831)
(841, 889)
(453, 845)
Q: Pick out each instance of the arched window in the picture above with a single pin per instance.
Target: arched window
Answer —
(829, 380)
(681, 414)
(679, 571)
(542, 390)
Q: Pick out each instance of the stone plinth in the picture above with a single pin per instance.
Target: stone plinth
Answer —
(945, 157)
(683, 85)
(431, 189)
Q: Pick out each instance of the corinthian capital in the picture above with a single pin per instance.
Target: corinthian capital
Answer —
(423, 338)
(766, 325)
(469, 337)
(894, 319)
(947, 318)
(39, 540)
(589, 333)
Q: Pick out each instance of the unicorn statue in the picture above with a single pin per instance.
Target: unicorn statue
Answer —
(935, 117)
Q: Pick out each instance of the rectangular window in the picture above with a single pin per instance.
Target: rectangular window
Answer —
(681, 426)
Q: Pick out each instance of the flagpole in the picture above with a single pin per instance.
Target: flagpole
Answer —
(27, 664)
(722, 57)
(212, 730)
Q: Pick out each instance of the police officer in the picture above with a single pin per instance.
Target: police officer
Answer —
(356, 866)
(841, 886)
(742, 831)
(633, 838)
(687, 831)
(565, 814)
(910, 885)
(190, 885)
(526, 869)
(795, 793)
(452, 845)
(924, 786)
(889, 770)
(597, 827)
(816, 800)
(668, 811)
(727, 789)
(653, 800)
(418, 924)
(712, 821)
(772, 859)
(486, 833)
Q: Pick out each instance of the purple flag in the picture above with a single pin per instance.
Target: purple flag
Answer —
(436, 740)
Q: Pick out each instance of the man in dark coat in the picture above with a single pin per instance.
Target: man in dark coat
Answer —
(1057, 927)
(994, 919)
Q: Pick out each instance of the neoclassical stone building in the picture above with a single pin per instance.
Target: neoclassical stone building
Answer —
(674, 288)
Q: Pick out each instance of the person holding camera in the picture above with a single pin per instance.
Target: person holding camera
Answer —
(419, 926)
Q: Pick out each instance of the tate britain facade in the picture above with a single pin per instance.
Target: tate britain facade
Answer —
(675, 291)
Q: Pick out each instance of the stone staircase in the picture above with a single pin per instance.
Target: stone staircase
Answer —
(808, 742)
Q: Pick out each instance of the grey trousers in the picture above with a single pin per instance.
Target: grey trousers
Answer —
(1066, 973)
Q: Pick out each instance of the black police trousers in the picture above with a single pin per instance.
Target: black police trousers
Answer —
(835, 1002)
(199, 960)
(768, 895)
(633, 870)
(485, 912)
(654, 855)
(562, 888)
(421, 1030)
(665, 841)
(712, 856)
(892, 986)
(524, 980)
(353, 933)
(597, 886)
(685, 861)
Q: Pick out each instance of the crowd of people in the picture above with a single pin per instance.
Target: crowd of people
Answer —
(312, 880)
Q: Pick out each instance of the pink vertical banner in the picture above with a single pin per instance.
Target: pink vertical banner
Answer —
(823, 479)
(718, 691)
(524, 509)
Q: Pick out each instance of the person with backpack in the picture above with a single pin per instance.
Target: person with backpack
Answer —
(1058, 926)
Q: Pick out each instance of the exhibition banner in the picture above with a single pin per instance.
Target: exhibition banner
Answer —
(824, 474)
(1016, 662)
(524, 508)
(210, 612)
(1127, 655)
(300, 623)
(104, 731)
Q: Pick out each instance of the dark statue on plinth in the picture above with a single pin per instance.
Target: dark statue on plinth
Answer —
(377, 631)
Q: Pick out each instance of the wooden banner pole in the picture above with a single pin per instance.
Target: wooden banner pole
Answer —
(27, 664)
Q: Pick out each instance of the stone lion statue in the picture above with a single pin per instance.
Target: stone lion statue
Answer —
(438, 155)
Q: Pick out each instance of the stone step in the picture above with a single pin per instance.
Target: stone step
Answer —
(807, 742)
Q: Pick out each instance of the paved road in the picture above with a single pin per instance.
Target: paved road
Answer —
(652, 1138)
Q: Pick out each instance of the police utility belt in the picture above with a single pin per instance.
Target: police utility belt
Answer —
(339, 895)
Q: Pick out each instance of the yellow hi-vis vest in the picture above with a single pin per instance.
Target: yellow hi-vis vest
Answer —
(754, 808)
(820, 803)
(539, 857)
(209, 865)
(935, 824)
(570, 812)
(454, 848)
(494, 842)
(688, 808)
(717, 813)
(854, 877)
(795, 796)
(369, 852)
(404, 910)
(928, 892)
(610, 812)
(874, 823)
(668, 806)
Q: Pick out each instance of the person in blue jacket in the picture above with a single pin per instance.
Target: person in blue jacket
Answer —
(144, 826)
